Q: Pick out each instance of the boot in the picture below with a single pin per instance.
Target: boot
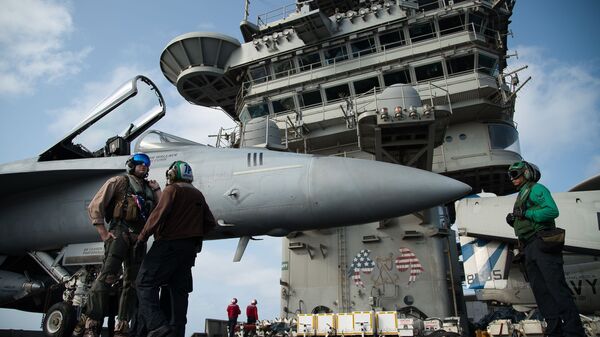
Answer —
(91, 328)
(122, 329)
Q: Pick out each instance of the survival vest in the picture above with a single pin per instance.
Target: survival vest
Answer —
(526, 228)
(133, 205)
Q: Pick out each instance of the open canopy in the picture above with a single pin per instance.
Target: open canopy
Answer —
(113, 123)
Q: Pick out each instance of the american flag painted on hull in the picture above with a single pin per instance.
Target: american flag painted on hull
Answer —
(409, 261)
(361, 263)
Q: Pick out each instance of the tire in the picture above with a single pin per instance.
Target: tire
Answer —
(59, 320)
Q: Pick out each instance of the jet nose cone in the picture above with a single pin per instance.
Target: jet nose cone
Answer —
(357, 191)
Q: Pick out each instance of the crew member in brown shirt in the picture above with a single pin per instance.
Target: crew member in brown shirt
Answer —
(178, 223)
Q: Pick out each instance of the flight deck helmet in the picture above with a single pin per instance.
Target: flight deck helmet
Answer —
(179, 171)
(137, 159)
(529, 171)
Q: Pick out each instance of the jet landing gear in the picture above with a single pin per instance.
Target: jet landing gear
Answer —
(59, 320)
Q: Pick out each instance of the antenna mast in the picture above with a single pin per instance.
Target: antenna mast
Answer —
(246, 13)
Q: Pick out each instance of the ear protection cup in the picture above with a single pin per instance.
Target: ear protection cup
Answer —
(532, 172)
(527, 174)
(130, 166)
(172, 172)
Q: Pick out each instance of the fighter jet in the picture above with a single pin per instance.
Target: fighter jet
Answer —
(46, 236)
(487, 245)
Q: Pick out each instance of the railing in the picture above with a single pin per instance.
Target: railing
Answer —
(382, 52)
(276, 14)
(227, 137)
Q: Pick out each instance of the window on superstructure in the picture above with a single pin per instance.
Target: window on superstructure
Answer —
(389, 40)
(258, 110)
(283, 104)
(461, 64)
(335, 54)
(309, 61)
(337, 93)
(365, 85)
(429, 71)
(402, 76)
(363, 47)
(259, 74)
(421, 31)
(487, 65)
(504, 137)
(310, 98)
(284, 68)
(428, 5)
(475, 22)
(451, 25)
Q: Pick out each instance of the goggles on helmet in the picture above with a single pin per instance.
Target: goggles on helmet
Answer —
(141, 158)
(514, 174)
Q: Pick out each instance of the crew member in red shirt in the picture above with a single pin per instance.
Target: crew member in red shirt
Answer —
(233, 311)
(252, 312)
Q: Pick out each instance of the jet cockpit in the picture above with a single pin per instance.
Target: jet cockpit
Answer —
(101, 134)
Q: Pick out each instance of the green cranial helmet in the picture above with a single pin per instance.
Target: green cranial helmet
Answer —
(180, 171)
(530, 171)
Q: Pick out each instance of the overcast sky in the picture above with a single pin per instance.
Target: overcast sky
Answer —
(59, 58)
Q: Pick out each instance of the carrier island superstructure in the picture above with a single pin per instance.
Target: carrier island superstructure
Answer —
(422, 83)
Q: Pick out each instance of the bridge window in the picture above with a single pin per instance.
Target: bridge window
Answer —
(504, 137)
(429, 71)
(310, 98)
(365, 85)
(392, 39)
(402, 76)
(258, 110)
(487, 65)
(460, 64)
(451, 25)
(336, 54)
(259, 74)
(309, 61)
(422, 31)
(338, 92)
(475, 21)
(284, 68)
(363, 47)
(284, 104)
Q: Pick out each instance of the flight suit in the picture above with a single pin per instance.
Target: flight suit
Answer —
(179, 222)
(544, 270)
(119, 253)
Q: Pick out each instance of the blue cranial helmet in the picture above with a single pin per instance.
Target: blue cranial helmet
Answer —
(137, 159)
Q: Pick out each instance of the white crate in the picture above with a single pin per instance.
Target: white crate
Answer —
(326, 324)
(363, 322)
(387, 322)
(306, 325)
(345, 324)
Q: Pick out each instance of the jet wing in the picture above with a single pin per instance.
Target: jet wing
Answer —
(29, 174)
(27, 181)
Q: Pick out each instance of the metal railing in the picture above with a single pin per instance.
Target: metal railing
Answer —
(382, 52)
(276, 14)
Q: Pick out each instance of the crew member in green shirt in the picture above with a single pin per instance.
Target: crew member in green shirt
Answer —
(533, 213)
